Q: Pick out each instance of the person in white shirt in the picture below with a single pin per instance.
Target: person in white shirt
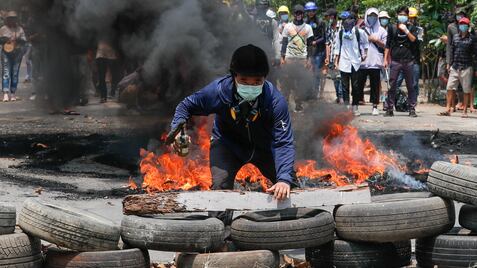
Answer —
(350, 51)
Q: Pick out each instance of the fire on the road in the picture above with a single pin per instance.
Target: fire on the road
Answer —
(346, 154)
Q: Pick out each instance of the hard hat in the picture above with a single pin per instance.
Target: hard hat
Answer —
(310, 6)
(12, 14)
(283, 9)
(344, 15)
(298, 8)
(271, 14)
(249, 60)
(413, 13)
(262, 2)
(384, 14)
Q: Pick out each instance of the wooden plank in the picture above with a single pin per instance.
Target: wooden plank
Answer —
(194, 201)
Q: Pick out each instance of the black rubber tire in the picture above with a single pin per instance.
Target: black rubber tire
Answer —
(257, 258)
(453, 181)
(455, 249)
(129, 258)
(468, 217)
(344, 254)
(400, 196)
(8, 218)
(394, 221)
(19, 250)
(68, 227)
(283, 229)
(193, 233)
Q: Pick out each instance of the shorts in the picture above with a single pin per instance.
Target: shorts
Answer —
(463, 77)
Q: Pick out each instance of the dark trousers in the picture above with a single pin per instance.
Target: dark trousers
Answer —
(115, 69)
(346, 80)
(407, 68)
(224, 165)
(374, 80)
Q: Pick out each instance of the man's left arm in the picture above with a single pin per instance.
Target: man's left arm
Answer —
(283, 149)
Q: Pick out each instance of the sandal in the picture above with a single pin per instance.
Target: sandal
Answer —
(465, 116)
(446, 113)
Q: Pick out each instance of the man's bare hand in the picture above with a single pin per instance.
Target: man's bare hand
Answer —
(281, 190)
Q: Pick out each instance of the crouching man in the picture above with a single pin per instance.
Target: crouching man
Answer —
(252, 123)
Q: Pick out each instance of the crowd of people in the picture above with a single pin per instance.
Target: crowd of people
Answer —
(350, 49)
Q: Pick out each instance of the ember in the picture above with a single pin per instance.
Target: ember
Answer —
(349, 159)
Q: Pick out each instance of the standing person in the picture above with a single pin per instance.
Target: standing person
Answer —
(399, 55)
(350, 51)
(296, 51)
(264, 22)
(107, 58)
(319, 48)
(332, 30)
(252, 123)
(384, 22)
(463, 52)
(13, 39)
(373, 64)
(283, 17)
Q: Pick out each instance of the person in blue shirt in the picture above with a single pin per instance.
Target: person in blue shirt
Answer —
(252, 123)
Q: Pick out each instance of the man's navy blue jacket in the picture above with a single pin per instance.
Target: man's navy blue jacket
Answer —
(271, 133)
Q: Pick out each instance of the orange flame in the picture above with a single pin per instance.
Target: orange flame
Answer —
(132, 185)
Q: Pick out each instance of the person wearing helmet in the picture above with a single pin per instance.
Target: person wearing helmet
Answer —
(463, 52)
(264, 22)
(296, 53)
(373, 64)
(319, 48)
(283, 16)
(332, 29)
(252, 123)
(13, 39)
(416, 68)
(350, 51)
(399, 56)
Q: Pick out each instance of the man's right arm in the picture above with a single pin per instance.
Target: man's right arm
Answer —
(449, 45)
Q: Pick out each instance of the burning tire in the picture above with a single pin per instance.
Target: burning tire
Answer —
(130, 258)
(394, 221)
(8, 219)
(350, 254)
(68, 227)
(173, 233)
(455, 249)
(257, 258)
(468, 217)
(453, 181)
(283, 229)
(18, 250)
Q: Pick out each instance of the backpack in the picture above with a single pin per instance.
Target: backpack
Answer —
(356, 31)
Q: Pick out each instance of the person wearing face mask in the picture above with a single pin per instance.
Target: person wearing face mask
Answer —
(350, 51)
(384, 19)
(452, 30)
(332, 30)
(296, 53)
(283, 16)
(374, 62)
(463, 55)
(399, 56)
(252, 123)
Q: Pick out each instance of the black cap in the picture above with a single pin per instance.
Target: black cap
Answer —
(298, 8)
(249, 60)
(331, 12)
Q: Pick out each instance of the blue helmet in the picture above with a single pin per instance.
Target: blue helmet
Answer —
(344, 15)
(311, 6)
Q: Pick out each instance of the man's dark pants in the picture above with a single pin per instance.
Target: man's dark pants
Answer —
(407, 68)
(374, 81)
(353, 79)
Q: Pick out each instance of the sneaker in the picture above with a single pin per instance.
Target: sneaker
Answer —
(5, 97)
(13, 97)
(33, 97)
(412, 113)
(356, 111)
(375, 111)
(389, 113)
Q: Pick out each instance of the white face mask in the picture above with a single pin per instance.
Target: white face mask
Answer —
(249, 93)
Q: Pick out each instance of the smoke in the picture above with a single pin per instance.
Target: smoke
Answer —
(413, 148)
(180, 45)
(402, 178)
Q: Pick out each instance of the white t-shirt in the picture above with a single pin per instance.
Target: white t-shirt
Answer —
(297, 37)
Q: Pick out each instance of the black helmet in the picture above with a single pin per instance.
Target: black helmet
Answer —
(298, 8)
(262, 3)
(249, 60)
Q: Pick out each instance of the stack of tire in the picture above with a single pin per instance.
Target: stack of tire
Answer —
(85, 239)
(17, 249)
(201, 236)
(457, 248)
